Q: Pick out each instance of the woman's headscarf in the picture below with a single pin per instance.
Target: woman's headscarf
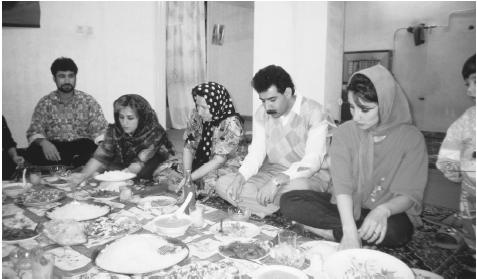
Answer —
(148, 132)
(394, 111)
(221, 107)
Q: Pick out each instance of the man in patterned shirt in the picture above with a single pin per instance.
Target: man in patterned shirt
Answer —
(67, 124)
(288, 148)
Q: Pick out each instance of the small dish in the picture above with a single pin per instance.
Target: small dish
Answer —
(239, 213)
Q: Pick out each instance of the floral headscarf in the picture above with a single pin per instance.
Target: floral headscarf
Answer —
(148, 132)
(221, 107)
(394, 111)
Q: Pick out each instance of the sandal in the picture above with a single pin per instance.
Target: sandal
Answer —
(448, 238)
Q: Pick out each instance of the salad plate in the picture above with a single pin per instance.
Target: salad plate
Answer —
(365, 263)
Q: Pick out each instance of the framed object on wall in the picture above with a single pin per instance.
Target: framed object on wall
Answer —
(21, 13)
(354, 61)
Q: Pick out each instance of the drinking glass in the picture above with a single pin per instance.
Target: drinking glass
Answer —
(42, 265)
(287, 237)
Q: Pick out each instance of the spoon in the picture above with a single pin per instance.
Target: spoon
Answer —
(181, 209)
(24, 177)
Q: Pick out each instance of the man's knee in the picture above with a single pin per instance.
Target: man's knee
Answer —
(288, 203)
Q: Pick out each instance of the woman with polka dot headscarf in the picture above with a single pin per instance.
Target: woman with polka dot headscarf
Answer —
(214, 131)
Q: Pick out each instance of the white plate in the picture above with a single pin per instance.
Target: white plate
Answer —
(139, 254)
(78, 211)
(279, 272)
(322, 248)
(235, 231)
(115, 176)
(13, 189)
(159, 202)
(361, 263)
(424, 274)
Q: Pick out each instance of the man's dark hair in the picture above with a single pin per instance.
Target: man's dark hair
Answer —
(363, 89)
(272, 75)
(469, 67)
(63, 64)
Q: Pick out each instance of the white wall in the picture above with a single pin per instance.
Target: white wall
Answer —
(429, 73)
(231, 64)
(120, 56)
(294, 35)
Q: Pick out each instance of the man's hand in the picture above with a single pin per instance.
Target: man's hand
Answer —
(235, 188)
(50, 151)
(19, 160)
(266, 194)
(375, 225)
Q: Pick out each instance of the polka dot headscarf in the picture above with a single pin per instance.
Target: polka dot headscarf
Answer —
(220, 107)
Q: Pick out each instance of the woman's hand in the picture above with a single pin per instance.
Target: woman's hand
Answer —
(375, 225)
(266, 194)
(350, 240)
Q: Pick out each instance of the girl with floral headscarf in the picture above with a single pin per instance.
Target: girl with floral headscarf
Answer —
(136, 142)
(214, 131)
(378, 169)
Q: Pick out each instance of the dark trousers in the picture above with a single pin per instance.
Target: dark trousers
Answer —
(73, 153)
(314, 209)
(8, 166)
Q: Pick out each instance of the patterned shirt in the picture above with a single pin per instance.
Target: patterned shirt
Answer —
(225, 140)
(81, 117)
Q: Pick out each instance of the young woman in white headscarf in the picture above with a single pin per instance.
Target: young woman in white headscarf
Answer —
(378, 166)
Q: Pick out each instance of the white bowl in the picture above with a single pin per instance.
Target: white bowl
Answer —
(172, 225)
(14, 189)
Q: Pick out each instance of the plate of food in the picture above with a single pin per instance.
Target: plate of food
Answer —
(57, 182)
(234, 230)
(105, 227)
(222, 269)
(115, 176)
(78, 211)
(322, 248)
(65, 232)
(104, 194)
(40, 197)
(156, 202)
(365, 263)
(141, 253)
(245, 250)
(16, 235)
(279, 271)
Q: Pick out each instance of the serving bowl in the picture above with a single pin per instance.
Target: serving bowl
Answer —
(172, 225)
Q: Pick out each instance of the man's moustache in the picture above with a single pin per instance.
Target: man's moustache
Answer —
(271, 111)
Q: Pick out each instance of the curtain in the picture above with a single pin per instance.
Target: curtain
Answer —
(185, 48)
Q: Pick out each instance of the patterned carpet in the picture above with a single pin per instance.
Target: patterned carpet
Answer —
(421, 252)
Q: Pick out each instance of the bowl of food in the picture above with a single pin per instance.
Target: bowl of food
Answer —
(239, 213)
(14, 189)
(172, 225)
